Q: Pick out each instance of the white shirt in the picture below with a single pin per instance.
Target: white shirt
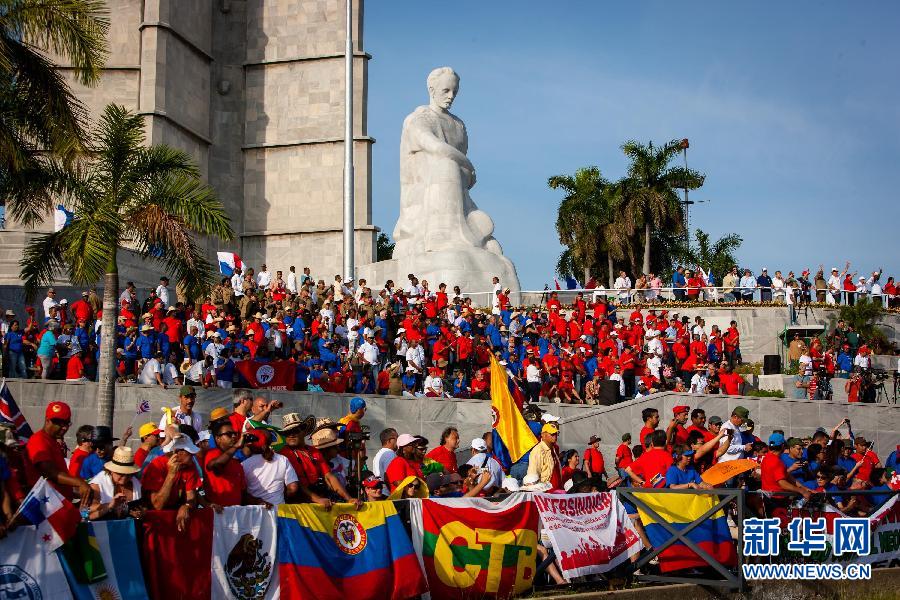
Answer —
(103, 481)
(736, 449)
(532, 374)
(369, 352)
(237, 282)
(699, 383)
(654, 363)
(624, 284)
(195, 322)
(491, 465)
(415, 357)
(48, 302)
(267, 479)
(340, 468)
(197, 371)
(163, 293)
(805, 364)
(179, 418)
(148, 373)
(834, 284)
(170, 374)
(292, 282)
(263, 279)
(862, 361)
(381, 461)
(618, 377)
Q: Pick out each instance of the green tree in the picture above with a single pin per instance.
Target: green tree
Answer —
(384, 247)
(863, 316)
(715, 257)
(40, 118)
(650, 190)
(586, 223)
(125, 195)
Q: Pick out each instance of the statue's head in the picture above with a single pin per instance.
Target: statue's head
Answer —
(443, 83)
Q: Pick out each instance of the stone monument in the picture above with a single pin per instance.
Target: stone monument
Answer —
(441, 235)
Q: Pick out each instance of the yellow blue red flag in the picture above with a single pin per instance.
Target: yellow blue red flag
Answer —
(509, 426)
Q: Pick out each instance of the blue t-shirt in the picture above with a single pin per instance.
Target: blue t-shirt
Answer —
(675, 476)
(678, 279)
(91, 466)
(13, 341)
(48, 344)
(879, 499)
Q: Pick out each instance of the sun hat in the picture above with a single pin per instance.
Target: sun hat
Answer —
(292, 421)
(325, 438)
(218, 413)
(180, 441)
(122, 462)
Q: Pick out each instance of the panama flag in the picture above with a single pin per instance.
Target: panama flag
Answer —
(54, 516)
(228, 262)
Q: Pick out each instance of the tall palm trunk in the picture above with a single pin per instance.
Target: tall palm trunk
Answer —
(106, 367)
(646, 247)
(609, 261)
(587, 276)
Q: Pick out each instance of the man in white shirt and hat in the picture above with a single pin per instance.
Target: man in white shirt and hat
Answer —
(270, 476)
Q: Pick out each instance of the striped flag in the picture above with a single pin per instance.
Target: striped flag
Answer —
(10, 413)
(512, 438)
(228, 262)
(54, 516)
(114, 545)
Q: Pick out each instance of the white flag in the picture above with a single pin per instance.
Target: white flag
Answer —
(244, 564)
(27, 570)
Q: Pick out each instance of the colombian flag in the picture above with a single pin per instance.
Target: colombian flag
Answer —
(679, 510)
(511, 435)
(344, 553)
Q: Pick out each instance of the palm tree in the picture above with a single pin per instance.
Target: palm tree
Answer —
(39, 115)
(718, 257)
(582, 213)
(126, 196)
(650, 189)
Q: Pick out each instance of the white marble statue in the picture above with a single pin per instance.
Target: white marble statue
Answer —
(441, 236)
(436, 211)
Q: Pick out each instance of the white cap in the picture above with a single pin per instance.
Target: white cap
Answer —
(764, 269)
(405, 439)
(401, 330)
(834, 268)
(548, 418)
(479, 444)
(180, 442)
(511, 484)
(204, 436)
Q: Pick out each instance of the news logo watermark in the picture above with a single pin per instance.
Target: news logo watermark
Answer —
(807, 536)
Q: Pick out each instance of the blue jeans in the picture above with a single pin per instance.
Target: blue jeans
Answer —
(17, 365)
(519, 471)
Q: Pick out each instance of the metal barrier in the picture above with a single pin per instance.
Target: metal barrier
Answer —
(732, 581)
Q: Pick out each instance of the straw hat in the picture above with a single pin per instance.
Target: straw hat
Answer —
(293, 421)
(122, 462)
(325, 438)
(218, 413)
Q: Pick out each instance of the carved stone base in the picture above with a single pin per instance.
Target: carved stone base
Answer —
(470, 268)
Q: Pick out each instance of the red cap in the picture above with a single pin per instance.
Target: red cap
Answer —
(58, 410)
(680, 409)
(372, 482)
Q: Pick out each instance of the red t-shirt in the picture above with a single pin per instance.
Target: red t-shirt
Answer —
(155, 475)
(731, 383)
(78, 456)
(704, 432)
(445, 457)
(623, 455)
(237, 421)
(773, 471)
(74, 368)
(399, 469)
(594, 458)
(645, 431)
(868, 463)
(651, 463)
(308, 462)
(227, 486)
(43, 448)
(140, 455)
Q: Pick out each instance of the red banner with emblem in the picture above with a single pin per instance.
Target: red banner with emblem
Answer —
(276, 375)
(473, 548)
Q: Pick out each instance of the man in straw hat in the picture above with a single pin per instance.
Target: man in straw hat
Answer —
(115, 487)
(314, 475)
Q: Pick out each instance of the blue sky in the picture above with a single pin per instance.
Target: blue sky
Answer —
(792, 110)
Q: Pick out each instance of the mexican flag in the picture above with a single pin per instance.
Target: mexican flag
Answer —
(473, 548)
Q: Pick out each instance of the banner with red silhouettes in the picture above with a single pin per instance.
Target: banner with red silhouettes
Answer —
(590, 533)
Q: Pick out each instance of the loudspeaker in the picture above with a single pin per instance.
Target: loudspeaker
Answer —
(609, 392)
(771, 364)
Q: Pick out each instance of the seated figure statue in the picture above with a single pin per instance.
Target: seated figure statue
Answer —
(436, 211)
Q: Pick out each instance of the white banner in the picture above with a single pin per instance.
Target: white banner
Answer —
(885, 524)
(590, 533)
(244, 562)
(27, 570)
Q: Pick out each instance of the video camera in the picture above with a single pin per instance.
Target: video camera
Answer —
(357, 439)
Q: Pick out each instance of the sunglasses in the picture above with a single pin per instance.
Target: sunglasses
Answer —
(227, 434)
(61, 422)
(415, 486)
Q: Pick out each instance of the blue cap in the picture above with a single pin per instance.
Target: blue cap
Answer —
(356, 404)
(776, 439)
(688, 453)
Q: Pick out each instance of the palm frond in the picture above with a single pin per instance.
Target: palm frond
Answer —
(41, 261)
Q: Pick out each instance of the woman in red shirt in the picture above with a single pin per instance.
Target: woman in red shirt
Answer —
(570, 464)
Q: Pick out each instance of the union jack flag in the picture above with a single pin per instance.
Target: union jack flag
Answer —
(10, 413)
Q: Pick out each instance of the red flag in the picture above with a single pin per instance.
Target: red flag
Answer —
(556, 281)
(277, 375)
(177, 564)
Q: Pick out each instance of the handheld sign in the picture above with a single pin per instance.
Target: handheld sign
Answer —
(723, 471)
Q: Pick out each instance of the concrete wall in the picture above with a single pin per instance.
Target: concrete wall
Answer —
(428, 416)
